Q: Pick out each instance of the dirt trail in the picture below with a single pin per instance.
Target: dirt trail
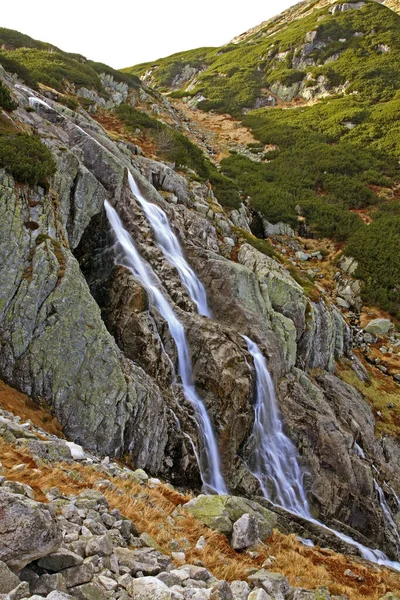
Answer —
(216, 133)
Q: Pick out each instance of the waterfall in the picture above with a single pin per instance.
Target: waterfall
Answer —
(170, 247)
(387, 513)
(208, 457)
(209, 462)
(275, 461)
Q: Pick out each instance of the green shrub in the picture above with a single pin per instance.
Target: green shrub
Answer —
(27, 159)
(376, 248)
(6, 100)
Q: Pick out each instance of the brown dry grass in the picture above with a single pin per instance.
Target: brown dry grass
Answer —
(117, 130)
(21, 405)
(149, 509)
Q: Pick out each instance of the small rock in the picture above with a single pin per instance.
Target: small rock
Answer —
(378, 327)
(108, 583)
(221, 591)
(47, 583)
(245, 532)
(148, 588)
(259, 595)
(240, 590)
(8, 581)
(179, 557)
(21, 591)
(99, 544)
(78, 575)
(202, 542)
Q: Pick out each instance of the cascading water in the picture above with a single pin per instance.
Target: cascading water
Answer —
(387, 513)
(275, 459)
(208, 459)
(209, 462)
(170, 247)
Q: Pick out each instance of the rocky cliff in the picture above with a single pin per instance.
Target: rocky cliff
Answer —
(80, 334)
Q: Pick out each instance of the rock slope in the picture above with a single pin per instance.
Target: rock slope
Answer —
(79, 333)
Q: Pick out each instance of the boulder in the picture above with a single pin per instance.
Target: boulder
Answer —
(274, 584)
(62, 559)
(221, 512)
(148, 588)
(378, 327)
(28, 530)
(245, 532)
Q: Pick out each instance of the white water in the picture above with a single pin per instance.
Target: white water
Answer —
(170, 247)
(209, 463)
(275, 463)
(208, 459)
(387, 513)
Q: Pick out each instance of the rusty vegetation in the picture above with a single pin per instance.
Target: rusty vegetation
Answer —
(149, 508)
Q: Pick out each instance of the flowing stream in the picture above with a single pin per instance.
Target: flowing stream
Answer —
(170, 247)
(275, 460)
(209, 461)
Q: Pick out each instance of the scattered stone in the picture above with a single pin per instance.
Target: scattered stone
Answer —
(240, 590)
(100, 544)
(78, 575)
(245, 532)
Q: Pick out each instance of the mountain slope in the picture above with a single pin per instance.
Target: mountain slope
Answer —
(336, 152)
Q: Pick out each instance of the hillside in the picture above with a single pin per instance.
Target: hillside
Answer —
(336, 151)
(195, 401)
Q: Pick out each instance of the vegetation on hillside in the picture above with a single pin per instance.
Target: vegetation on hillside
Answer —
(27, 159)
(333, 157)
(6, 100)
(38, 62)
(175, 147)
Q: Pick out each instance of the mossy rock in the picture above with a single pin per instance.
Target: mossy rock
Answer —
(221, 512)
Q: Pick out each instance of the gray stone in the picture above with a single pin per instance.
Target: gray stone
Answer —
(221, 591)
(28, 531)
(21, 591)
(62, 559)
(57, 595)
(148, 588)
(245, 532)
(89, 591)
(259, 594)
(240, 590)
(100, 545)
(109, 584)
(8, 581)
(274, 584)
(78, 575)
(47, 583)
(16, 487)
(378, 327)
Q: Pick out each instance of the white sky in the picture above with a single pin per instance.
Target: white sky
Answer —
(121, 33)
